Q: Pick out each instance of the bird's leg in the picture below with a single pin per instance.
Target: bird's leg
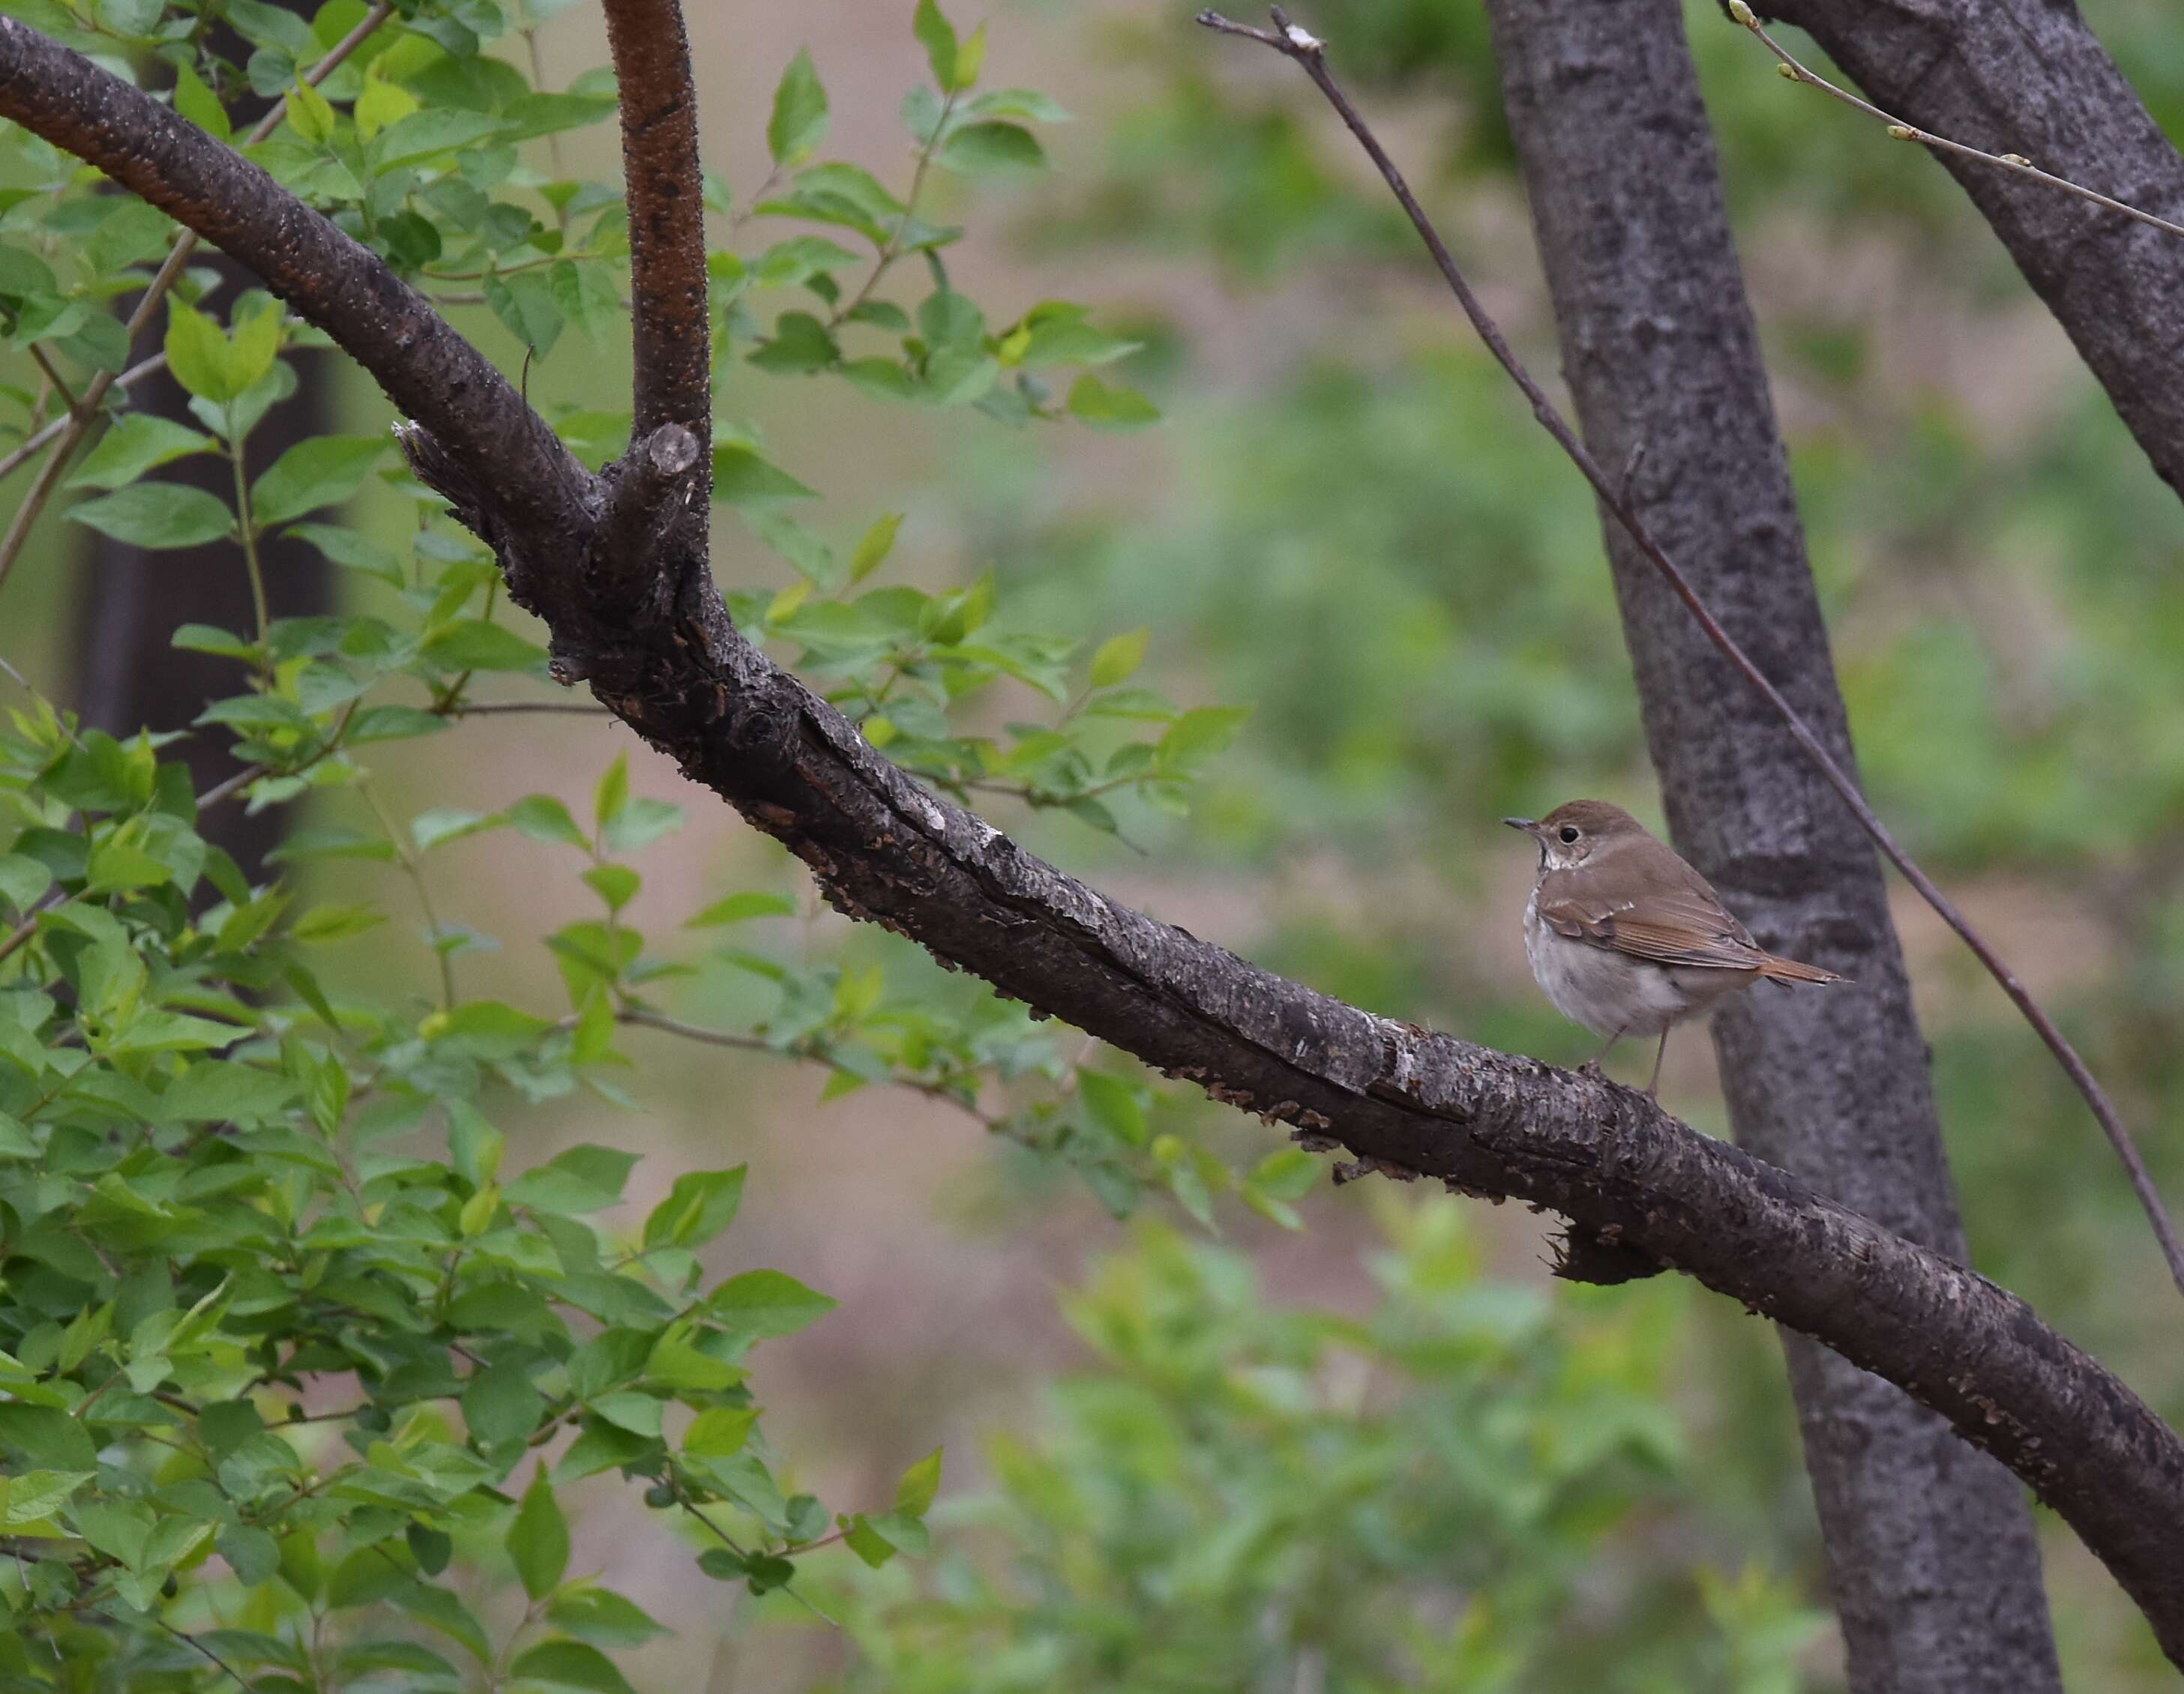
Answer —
(1659, 1054)
(1591, 1066)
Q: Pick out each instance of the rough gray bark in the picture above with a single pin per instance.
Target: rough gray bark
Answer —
(673, 665)
(1936, 1571)
(2027, 76)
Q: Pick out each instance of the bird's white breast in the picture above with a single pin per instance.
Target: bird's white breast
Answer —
(1609, 992)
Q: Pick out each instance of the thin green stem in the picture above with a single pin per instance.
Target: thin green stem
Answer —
(892, 250)
(248, 530)
(407, 860)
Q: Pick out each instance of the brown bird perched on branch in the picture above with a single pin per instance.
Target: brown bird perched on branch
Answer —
(1627, 939)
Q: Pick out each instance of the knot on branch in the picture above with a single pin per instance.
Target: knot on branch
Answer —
(760, 733)
(651, 532)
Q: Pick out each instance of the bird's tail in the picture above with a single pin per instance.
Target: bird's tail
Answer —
(1777, 970)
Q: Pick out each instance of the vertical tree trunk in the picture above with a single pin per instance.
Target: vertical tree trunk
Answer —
(1930, 1547)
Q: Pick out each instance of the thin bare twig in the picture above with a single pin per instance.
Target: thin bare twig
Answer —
(84, 411)
(729, 1038)
(1311, 54)
(493, 708)
(1795, 71)
(29, 447)
(191, 1640)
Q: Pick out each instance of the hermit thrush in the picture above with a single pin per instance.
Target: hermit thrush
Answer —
(1627, 939)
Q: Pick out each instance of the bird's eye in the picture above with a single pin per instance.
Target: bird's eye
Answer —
(1569, 833)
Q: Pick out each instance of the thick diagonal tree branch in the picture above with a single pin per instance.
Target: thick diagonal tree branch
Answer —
(2029, 77)
(884, 848)
(1931, 1555)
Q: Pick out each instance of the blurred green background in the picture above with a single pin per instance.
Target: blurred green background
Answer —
(1390, 1437)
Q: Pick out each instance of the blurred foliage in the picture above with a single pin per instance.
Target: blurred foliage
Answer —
(1248, 1495)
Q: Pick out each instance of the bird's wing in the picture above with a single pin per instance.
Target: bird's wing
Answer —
(1682, 927)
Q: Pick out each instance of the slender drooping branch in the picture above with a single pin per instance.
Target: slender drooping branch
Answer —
(1796, 71)
(1405, 1100)
(1615, 498)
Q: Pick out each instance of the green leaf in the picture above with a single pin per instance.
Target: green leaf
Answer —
(766, 1302)
(869, 1545)
(198, 354)
(544, 819)
(1286, 1173)
(989, 149)
(252, 1553)
(638, 1413)
(720, 1431)
(601, 1614)
(1119, 657)
(141, 442)
(612, 793)
(914, 1494)
(24, 878)
(738, 908)
(34, 1496)
(335, 922)
(874, 546)
(427, 134)
(448, 824)
(499, 1405)
(1112, 1105)
(585, 1178)
(197, 102)
(350, 548)
(970, 59)
(642, 822)
(741, 478)
(699, 1206)
(586, 296)
(324, 470)
(800, 345)
(157, 515)
(253, 343)
(799, 123)
(1109, 407)
(310, 115)
(474, 644)
(571, 1664)
(1015, 103)
(615, 884)
(525, 303)
(1198, 735)
(538, 1540)
(938, 37)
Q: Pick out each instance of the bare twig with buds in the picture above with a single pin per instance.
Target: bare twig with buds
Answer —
(1795, 71)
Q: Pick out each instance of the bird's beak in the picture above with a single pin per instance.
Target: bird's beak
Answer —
(1527, 825)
